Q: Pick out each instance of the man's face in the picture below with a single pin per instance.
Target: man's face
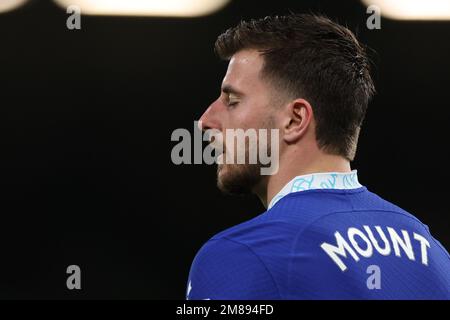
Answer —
(245, 103)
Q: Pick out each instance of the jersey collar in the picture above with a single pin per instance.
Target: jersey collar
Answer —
(320, 180)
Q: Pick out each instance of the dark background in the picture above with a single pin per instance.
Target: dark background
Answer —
(86, 119)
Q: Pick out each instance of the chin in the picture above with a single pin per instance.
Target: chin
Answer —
(237, 179)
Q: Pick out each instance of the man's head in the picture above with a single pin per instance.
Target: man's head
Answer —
(302, 74)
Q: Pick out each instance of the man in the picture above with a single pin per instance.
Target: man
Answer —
(324, 235)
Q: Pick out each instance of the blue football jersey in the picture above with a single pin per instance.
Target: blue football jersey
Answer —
(323, 243)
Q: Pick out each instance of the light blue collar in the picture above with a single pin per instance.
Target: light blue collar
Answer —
(321, 180)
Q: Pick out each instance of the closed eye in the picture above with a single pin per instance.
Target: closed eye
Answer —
(231, 95)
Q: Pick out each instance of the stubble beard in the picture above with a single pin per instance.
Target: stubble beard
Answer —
(242, 179)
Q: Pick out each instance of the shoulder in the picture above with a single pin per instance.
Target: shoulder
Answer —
(226, 269)
(243, 261)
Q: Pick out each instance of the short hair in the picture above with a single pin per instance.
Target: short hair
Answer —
(309, 56)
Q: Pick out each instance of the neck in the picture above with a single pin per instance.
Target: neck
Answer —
(290, 169)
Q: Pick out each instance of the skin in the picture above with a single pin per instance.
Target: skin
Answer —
(249, 100)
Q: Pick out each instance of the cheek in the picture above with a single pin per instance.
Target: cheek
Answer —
(247, 115)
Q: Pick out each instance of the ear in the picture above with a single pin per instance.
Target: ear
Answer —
(298, 117)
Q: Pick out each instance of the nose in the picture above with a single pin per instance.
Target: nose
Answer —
(210, 119)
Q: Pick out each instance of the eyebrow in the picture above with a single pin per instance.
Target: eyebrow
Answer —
(229, 89)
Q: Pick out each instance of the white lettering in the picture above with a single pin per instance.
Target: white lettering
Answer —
(398, 242)
(333, 251)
